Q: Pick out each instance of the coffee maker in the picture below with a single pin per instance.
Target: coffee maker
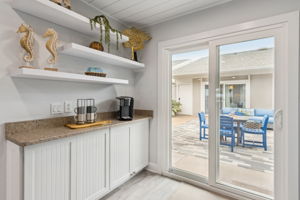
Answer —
(126, 108)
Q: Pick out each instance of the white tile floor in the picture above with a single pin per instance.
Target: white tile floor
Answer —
(149, 186)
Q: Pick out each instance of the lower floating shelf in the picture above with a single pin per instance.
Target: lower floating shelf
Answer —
(64, 76)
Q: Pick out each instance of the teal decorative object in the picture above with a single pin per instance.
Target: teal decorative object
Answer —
(95, 71)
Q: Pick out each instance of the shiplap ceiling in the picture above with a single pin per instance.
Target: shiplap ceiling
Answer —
(142, 13)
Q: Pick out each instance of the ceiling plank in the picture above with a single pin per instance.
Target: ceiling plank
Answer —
(141, 13)
(121, 5)
(101, 4)
(176, 12)
(161, 8)
(139, 8)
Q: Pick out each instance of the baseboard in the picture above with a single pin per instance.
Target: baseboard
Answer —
(154, 168)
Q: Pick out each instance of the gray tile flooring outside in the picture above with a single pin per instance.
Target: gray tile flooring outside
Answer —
(186, 140)
(249, 162)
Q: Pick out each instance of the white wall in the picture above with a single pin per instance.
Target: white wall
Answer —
(261, 87)
(197, 96)
(23, 99)
(224, 15)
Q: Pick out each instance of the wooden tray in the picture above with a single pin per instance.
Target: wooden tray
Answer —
(100, 74)
(99, 123)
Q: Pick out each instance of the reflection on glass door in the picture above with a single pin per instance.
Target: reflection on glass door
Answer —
(245, 129)
(189, 138)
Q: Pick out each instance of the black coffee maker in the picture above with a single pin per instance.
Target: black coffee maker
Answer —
(126, 108)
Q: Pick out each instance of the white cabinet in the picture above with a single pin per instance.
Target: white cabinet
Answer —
(129, 151)
(89, 165)
(86, 166)
(47, 171)
(139, 146)
(119, 155)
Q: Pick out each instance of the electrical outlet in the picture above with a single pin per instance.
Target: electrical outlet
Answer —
(56, 108)
(68, 107)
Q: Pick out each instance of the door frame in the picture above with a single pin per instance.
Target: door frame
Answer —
(287, 163)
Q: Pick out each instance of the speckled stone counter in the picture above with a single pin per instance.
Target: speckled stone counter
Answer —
(37, 131)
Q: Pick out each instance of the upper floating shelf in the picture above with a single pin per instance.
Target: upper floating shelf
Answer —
(52, 12)
(99, 56)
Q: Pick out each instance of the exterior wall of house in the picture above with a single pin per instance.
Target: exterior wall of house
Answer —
(196, 96)
(261, 91)
(184, 94)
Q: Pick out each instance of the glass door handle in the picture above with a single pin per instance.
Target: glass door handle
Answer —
(278, 119)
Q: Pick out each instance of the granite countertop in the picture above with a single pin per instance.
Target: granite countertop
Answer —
(38, 131)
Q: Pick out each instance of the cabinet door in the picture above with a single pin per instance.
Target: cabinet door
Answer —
(119, 155)
(139, 145)
(89, 169)
(47, 171)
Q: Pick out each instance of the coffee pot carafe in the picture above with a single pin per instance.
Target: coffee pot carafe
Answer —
(80, 110)
(91, 110)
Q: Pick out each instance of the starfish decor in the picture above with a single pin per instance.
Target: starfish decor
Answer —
(136, 40)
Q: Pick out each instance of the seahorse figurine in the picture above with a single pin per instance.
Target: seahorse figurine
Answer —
(67, 4)
(51, 46)
(59, 2)
(27, 42)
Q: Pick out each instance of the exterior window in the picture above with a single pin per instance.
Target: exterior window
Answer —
(235, 96)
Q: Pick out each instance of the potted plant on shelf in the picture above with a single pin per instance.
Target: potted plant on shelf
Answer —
(104, 23)
(176, 107)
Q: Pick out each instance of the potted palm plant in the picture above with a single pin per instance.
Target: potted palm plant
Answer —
(176, 107)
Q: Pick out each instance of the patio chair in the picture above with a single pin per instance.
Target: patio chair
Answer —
(227, 130)
(262, 131)
(203, 125)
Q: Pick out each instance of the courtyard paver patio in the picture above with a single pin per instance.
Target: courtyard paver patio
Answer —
(247, 167)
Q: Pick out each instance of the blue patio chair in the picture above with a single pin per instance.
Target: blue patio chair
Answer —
(262, 131)
(203, 125)
(227, 130)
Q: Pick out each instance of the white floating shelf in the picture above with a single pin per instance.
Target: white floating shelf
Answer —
(99, 56)
(64, 76)
(47, 10)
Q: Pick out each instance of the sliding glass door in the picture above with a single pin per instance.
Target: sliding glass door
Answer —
(245, 134)
(223, 103)
(189, 142)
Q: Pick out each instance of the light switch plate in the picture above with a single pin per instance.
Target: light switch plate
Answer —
(56, 108)
(68, 106)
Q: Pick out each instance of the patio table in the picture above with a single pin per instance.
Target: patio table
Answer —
(239, 120)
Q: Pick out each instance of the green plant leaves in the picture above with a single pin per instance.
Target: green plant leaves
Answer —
(103, 22)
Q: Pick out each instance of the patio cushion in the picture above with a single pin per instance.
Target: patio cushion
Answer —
(228, 110)
(246, 111)
(262, 112)
(254, 131)
(271, 120)
(259, 119)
